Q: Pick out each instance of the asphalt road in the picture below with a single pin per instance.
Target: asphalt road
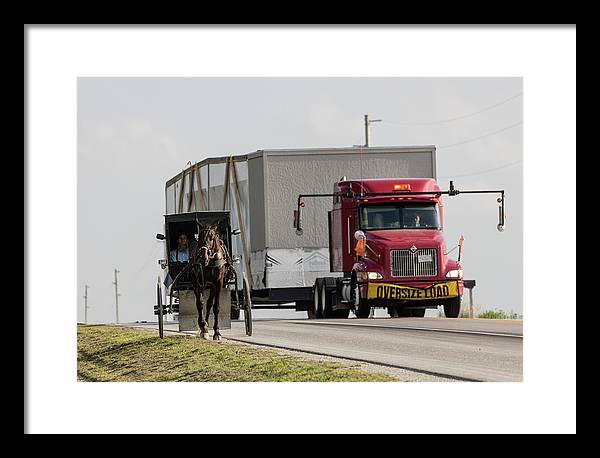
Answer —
(482, 350)
(463, 349)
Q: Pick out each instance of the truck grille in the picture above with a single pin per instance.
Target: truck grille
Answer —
(406, 264)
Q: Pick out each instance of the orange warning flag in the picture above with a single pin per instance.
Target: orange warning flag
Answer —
(359, 249)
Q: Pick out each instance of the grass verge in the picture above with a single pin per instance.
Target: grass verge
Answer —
(499, 315)
(119, 354)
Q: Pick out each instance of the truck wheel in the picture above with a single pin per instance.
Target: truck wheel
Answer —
(341, 313)
(313, 306)
(420, 313)
(325, 302)
(452, 307)
(363, 311)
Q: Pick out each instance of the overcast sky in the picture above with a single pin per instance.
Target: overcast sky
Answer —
(136, 133)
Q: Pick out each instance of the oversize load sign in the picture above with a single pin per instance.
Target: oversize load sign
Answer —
(387, 291)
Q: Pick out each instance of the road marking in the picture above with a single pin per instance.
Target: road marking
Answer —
(413, 328)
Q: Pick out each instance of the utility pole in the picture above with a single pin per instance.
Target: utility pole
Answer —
(367, 123)
(86, 306)
(116, 283)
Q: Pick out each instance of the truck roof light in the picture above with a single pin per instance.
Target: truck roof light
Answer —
(402, 187)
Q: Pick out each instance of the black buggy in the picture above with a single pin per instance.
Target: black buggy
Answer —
(178, 277)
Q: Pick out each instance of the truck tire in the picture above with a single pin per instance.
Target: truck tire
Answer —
(313, 306)
(363, 311)
(419, 313)
(452, 307)
(325, 302)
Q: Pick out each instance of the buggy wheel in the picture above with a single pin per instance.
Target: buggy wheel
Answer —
(235, 298)
(247, 306)
(161, 331)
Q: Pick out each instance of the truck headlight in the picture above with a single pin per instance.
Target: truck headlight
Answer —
(363, 276)
(457, 273)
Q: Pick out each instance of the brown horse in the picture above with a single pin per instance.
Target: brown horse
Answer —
(210, 267)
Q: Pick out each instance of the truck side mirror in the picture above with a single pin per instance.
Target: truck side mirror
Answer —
(500, 226)
(160, 236)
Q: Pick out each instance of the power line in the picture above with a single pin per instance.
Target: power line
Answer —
(481, 172)
(481, 136)
(456, 118)
(136, 276)
(150, 257)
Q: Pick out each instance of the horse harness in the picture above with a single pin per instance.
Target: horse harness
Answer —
(216, 259)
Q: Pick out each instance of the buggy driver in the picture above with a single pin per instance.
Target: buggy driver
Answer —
(181, 253)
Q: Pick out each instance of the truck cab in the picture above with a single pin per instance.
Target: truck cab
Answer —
(386, 237)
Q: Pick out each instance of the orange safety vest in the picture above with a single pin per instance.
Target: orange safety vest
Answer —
(359, 249)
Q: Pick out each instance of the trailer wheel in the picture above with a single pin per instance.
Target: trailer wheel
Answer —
(452, 307)
(419, 313)
(313, 306)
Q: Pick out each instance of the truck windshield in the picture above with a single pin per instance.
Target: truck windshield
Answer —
(399, 216)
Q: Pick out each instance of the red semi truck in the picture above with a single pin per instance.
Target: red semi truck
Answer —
(386, 238)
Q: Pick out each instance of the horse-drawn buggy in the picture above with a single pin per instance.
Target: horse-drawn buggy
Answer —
(199, 260)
